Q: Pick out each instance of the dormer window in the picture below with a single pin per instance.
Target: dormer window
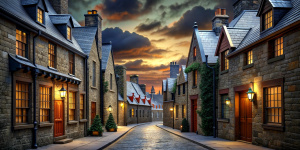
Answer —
(268, 20)
(225, 61)
(69, 33)
(40, 16)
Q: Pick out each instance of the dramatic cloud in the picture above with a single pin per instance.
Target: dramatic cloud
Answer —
(159, 40)
(177, 8)
(80, 7)
(143, 27)
(138, 65)
(119, 10)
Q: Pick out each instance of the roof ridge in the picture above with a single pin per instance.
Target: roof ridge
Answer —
(238, 28)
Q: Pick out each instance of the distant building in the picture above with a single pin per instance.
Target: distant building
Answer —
(157, 105)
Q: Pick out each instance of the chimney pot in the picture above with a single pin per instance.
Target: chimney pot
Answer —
(223, 11)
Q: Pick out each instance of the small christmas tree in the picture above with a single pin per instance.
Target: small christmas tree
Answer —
(110, 124)
(96, 126)
(185, 125)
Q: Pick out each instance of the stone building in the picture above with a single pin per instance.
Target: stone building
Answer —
(204, 42)
(157, 105)
(120, 72)
(109, 78)
(265, 58)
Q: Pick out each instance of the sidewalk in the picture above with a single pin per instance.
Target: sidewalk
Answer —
(92, 142)
(212, 143)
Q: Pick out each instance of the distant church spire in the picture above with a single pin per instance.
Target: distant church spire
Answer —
(152, 90)
(159, 92)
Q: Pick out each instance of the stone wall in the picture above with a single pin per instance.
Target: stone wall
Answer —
(157, 115)
(168, 114)
(287, 68)
(121, 113)
(143, 115)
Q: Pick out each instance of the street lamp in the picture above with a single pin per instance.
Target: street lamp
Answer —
(171, 109)
(250, 95)
(63, 92)
(227, 101)
(122, 104)
(109, 108)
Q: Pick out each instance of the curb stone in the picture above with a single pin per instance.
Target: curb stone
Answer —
(200, 144)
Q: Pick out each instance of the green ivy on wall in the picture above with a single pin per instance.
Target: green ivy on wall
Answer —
(105, 85)
(206, 88)
(174, 87)
(194, 66)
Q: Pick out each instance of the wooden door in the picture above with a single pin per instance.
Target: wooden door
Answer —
(245, 110)
(194, 115)
(93, 112)
(58, 118)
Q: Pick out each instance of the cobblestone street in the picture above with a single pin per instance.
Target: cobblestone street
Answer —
(149, 136)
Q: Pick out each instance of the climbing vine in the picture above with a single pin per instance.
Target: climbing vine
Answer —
(174, 87)
(206, 88)
(194, 66)
(105, 85)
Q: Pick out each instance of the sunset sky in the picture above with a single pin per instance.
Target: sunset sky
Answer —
(149, 34)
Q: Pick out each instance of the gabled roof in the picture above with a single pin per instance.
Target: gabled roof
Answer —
(292, 17)
(133, 88)
(15, 10)
(183, 69)
(34, 2)
(236, 35)
(247, 19)
(85, 37)
(106, 51)
(61, 19)
(207, 41)
(275, 4)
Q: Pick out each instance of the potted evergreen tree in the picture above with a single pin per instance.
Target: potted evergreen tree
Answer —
(110, 124)
(184, 125)
(96, 128)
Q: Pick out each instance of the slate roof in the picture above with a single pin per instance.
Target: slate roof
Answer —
(29, 2)
(247, 19)
(236, 35)
(15, 8)
(120, 98)
(106, 50)
(60, 18)
(255, 35)
(85, 37)
(207, 41)
(185, 75)
(164, 85)
(171, 82)
(135, 88)
(281, 3)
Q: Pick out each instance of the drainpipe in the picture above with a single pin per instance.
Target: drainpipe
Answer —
(173, 111)
(34, 76)
(214, 98)
(117, 80)
(137, 118)
(87, 102)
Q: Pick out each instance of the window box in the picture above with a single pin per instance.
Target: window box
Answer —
(45, 124)
(273, 127)
(225, 71)
(223, 120)
(73, 122)
(23, 126)
(248, 66)
(276, 59)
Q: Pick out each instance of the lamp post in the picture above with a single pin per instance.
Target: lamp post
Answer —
(172, 111)
(250, 94)
(63, 92)
(214, 98)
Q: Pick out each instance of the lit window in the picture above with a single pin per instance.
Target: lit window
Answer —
(182, 111)
(45, 99)
(194, 53)
(71, 63)
(249, 57)
(22, 102)
(225, 61)
(81, 106)
(40, 16)
(69, 33)
(51, 55)
(21, 43)
(268, 20)
(72, 106)
(273, 105)
(224, 107)
(132, 112)
(278, 47)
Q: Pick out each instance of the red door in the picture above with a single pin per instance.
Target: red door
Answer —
(245, 118)
(58, 118)
(194, 115)
(93, 112)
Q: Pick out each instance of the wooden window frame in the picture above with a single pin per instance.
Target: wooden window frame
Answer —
(132, 112)
(26, 53)
(42, 16)
(53, 55)
(29, 124)
(224, 107)
(278, 42)
(50, 103)
(69, 33)
(265, 24)
(249, 57)
(71, 63)
(271, 50)
(268, 84)
(75, 107)
(224, 61)
(82, 110)
(194, 53)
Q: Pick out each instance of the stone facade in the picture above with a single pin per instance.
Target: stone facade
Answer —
(157, 115)
(263, 70)
(168, 114)
(111, 96)
(141, 114)
(121, 85)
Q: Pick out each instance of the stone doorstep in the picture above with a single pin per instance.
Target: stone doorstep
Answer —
(64, 141)
(59, 138)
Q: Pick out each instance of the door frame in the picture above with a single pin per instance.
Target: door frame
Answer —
(193, 101)
(237, 91)
(92, 102)
(63, 119)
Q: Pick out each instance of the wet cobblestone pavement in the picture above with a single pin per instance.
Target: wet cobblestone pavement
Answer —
(149, 136)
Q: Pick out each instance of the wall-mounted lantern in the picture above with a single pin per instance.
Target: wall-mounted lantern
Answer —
(171, 109)
(62, 92)
(109, 108)
(227, 101)
(250, 95)
(122, 104)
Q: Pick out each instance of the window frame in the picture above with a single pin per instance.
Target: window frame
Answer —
(69, 37)
(225, 61)
(94, 74)
(195, 74)
(178, 86)
(75, 106)
(194, 53)
(182, 111)
(264, 24)
(224, 107)
(83, 105)
(249, 57)
(29, 101)
(54, 55)
(268, 84)
(43, 16)
(26, 51)
(50, 103)
(71, 55)
(177, 112)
